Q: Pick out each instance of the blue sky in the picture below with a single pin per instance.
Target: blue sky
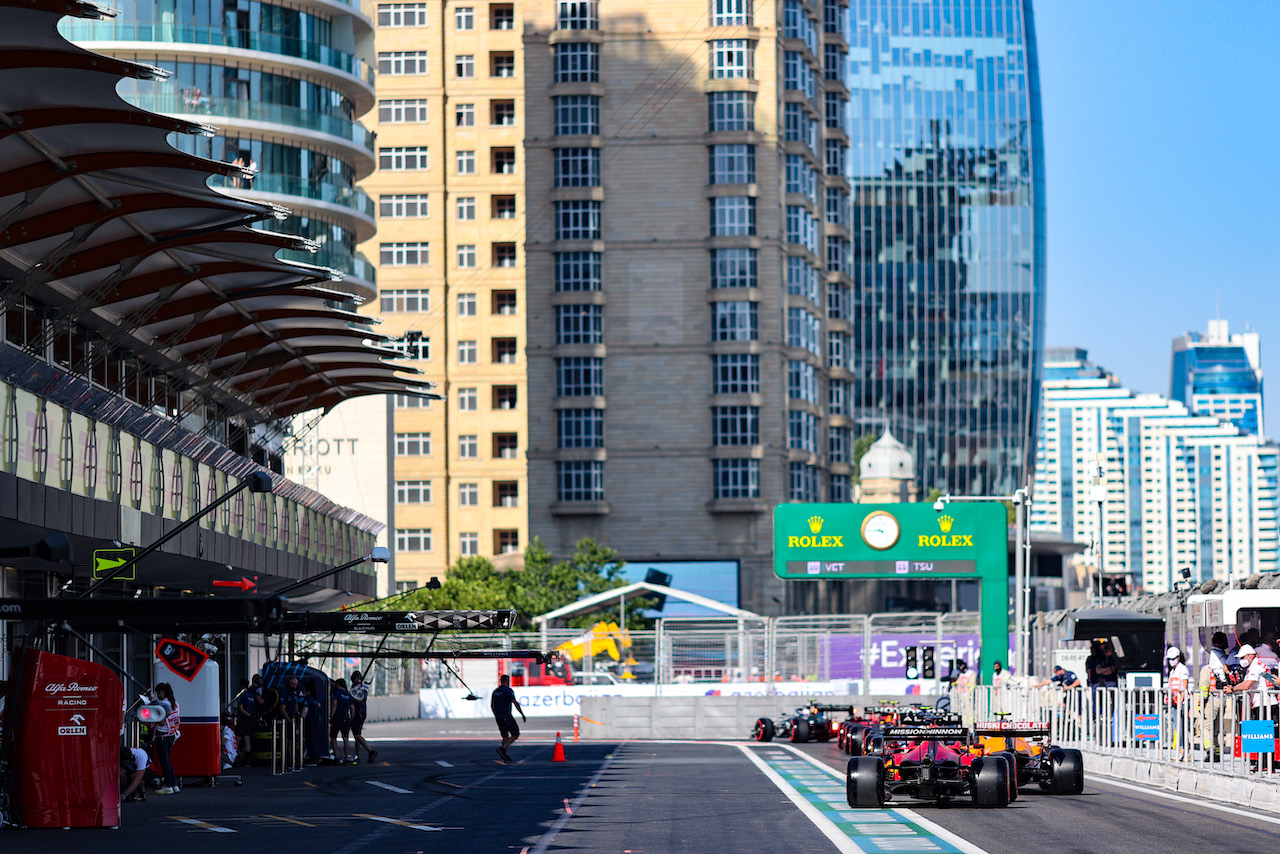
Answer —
(1162, 150)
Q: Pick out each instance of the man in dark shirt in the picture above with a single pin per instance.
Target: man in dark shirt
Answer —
(1063, 677)
(501, 702)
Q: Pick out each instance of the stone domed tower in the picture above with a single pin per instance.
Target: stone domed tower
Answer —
(886, 473)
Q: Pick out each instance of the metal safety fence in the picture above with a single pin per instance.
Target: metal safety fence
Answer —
(1209, 730)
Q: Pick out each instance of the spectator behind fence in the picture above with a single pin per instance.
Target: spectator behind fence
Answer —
(1062, 677)
(1179, 682)
(1266, 649)
(1101, 667)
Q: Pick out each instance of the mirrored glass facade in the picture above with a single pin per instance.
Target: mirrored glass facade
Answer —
(947, 181)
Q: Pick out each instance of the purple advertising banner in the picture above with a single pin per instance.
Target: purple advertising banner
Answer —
(889, 656)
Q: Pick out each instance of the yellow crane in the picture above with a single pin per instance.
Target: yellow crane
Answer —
(601, 638)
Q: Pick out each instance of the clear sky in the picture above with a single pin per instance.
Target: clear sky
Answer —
(1162, 149)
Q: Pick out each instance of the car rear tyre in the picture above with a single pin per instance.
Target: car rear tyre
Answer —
(763, 730)
(1011, 759)
(990, 781)
(800, 730)
(864, 782)
(1066, 772)
(856, 741)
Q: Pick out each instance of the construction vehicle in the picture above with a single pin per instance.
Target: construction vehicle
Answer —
(561, 668)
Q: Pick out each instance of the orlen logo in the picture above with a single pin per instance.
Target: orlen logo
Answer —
(69, 688)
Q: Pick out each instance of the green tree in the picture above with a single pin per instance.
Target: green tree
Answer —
(860, 447)
(542, 585)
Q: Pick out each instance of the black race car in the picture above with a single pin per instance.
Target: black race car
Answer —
(810, 722)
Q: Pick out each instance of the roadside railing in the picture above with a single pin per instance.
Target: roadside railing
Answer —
(1207, 730)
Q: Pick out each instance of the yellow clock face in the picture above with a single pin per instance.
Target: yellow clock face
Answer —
(880, 530)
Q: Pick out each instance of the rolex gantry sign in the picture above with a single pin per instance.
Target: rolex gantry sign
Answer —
(815, 542)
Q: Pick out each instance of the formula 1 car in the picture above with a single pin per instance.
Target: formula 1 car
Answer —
(811, 722)
(929, 760)
(857, 734)
(1034, 760)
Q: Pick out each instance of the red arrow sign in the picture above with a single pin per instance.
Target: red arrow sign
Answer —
(242, 584)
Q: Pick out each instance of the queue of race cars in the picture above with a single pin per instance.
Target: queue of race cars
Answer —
(922, 753)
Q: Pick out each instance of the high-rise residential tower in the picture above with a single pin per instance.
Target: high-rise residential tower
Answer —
(1220, 374)
(760, 231)
(450, 247)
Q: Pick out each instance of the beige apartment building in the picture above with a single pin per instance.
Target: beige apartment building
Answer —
(451, 270)
(690, 234)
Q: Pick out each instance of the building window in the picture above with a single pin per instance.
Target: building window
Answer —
(404, 300)
(579, 376)
(733, 268)
(468, 495)
(413, 539)
(797, 75)
(403, 159)
(728, 111)
(832, 62)
(402, 14)
(402, 110)
(466, 161)
(464, 115)
(505, 397)
(503, 161)
(799, 126)
(837, 349)
(464, 18)
(397, 62)
(466, 352)
(802, 228)
(413, 492)
(580, 428)
(502, 113)
(468, 544)
(502, 64)
(733, 164)
(578, 220)
(580, 480)
(403, 206)
(464, 65)
(506, 493)
(466, 255)
(732, 59)
(804, 330)
(839, 488)
(505, 541)
(502, 207)
(467, 400)
(803, 431)
(730, 13)
(466, 305)
(506, 446)
(839, 445)
(579, 324)
(837, 206)
(834, 109)
(414, 345)
(413, 444)
(838, 397)
(577, 167)
(504, 254)
(802, 381)
(736, 478)
(736, 373)
(577, 62)
(502, 16)
(405, 254)
(801, 177)
(466, 207)
(468, 447)
(504, 351)
(732, 216)
(802, 278)
(578, 15)
(837, 153)
(805, 483)
(578, 271)
(504, 302)
(410, 401)
(734, 321)
(576, 115)
(735, 425)
(796, 24)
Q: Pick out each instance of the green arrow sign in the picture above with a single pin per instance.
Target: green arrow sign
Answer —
(107, 560)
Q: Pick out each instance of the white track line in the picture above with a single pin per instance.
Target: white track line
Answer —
(550, 835)
(445, 764)
(825, 826)
(1252, 815)
(398, 822)
(203, 825)
(389, 787)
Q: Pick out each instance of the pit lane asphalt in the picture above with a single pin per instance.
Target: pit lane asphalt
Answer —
(1110, 817)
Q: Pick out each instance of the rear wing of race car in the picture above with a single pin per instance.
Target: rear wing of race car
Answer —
(891, 710)
(926, 733)
(1012, 729)
(918, 718)
(830, 708)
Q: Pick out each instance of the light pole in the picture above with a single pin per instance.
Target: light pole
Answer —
(1098, 492)
(1021, 499)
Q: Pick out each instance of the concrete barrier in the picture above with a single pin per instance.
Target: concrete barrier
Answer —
(401, 707)
(702, 717)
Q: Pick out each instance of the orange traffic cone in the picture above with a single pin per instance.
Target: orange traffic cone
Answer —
(557, 755)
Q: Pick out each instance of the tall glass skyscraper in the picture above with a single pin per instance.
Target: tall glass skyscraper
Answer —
(1220, 374)
(947, 175)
